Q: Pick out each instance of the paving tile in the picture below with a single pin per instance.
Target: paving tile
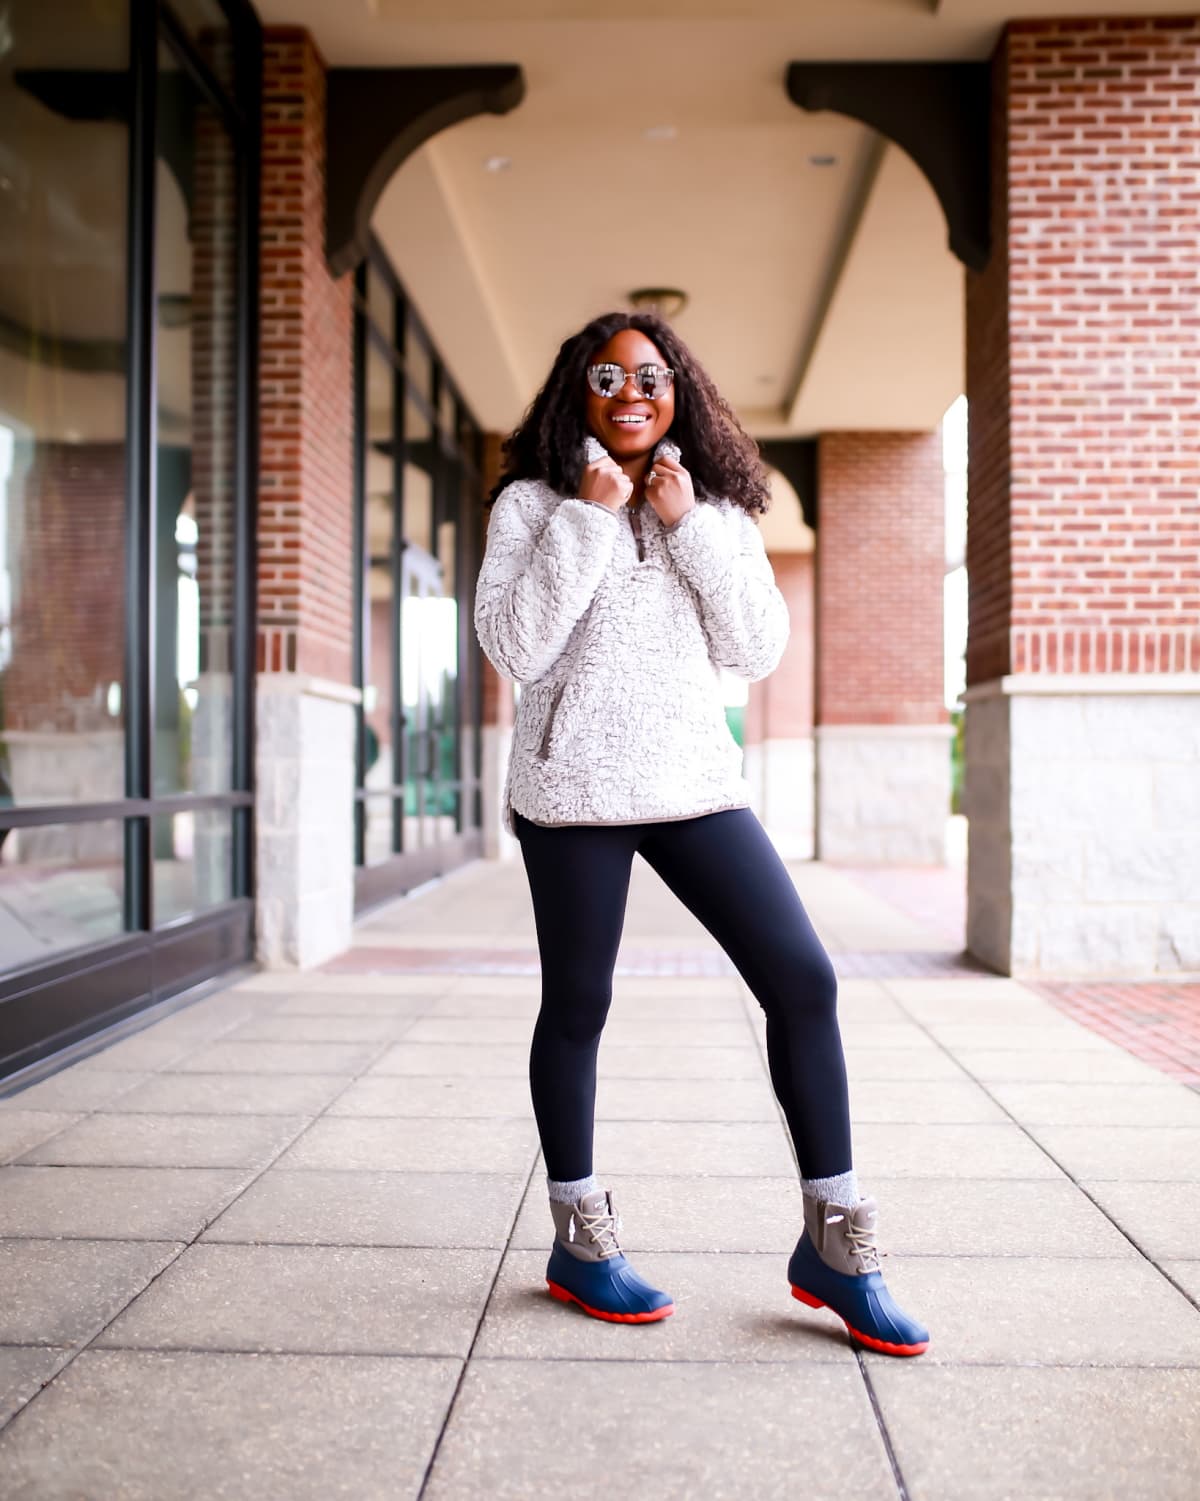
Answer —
(170, 1141)
(371, 1003)
(1005, 1217)
(1084, 1435)
(711, 1100)
(279, 1058)
(1076, 1066)
(1062, 1035)
(457, 1095)
(228, 1094)
(671, 1431)
(22, 1129)
(928, 1101)
(959, 988)
(293, 983)
(472, 1210)
(73, 1089)
(1161, 1104)
(1165, 1222)
(616, 1060)
(1011, 1310)
(141, 1052)
(905, 1065)
(684, 1214)
(114, 1203)
(23, 1373)
(323, 1028)
(1144, 1154)
(341, 1300)
(696, 1148)
(970, 1149)
(1011, 1009)
(728, 1307)
(396, 1144)
(60, 1292)
(894, 1036)
(221, 1427)
(1187, 1274)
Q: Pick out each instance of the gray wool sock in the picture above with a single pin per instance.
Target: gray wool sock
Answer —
(570, 1191)
(842, 1189)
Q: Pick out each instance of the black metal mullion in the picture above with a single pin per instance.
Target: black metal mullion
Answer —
(140, 475)
(399, 455)
(245, 535)
(360, 625)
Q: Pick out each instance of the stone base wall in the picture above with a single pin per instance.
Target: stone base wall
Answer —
(304, 845)
(1083, 796)
(883, 793)
(780, 773)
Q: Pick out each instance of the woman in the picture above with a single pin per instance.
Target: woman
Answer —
(622, 569)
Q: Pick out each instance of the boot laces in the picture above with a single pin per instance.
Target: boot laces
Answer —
(861, 1241)
(603, 1228)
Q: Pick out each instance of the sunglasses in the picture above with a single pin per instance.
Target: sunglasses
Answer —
(652, 381)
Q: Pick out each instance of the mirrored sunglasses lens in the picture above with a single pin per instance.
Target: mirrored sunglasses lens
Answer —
(652, 380)
(606, 380)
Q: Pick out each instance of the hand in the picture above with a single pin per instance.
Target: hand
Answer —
(605, 481)
(671, 493)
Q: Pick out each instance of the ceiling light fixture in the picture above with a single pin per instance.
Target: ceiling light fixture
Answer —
(659, 132)
(819, 159)
(667, 302)
(497, 163)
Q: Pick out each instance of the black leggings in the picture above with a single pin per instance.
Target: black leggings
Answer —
(725, 870)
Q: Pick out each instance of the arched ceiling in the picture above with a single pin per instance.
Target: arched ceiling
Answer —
(821, 290)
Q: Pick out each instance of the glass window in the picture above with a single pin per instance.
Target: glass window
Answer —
(61, 887)
(193, 862)
(62, 401)
(418, 360)
(379, 524)
(196, 260)
(380, 303)
(206, 23)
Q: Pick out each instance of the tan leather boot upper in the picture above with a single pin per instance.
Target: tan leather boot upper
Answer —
(844, 1238)
(588, 1228)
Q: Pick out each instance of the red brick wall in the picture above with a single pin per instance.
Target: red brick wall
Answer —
(879, 578)
(306, 383)
(1083, 355)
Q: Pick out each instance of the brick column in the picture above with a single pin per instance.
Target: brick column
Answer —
(305, 729)
(778, 726)
(883, 732)
(499, 703)
(1083, 547)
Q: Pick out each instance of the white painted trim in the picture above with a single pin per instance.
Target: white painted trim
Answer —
(1079, 683)
(302, 682)
(883, 731)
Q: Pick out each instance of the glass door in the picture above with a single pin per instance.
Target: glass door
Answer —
(428, 677)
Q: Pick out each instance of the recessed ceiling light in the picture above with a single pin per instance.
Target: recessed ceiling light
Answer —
(659, 132)
(497, 164)
(821, 160)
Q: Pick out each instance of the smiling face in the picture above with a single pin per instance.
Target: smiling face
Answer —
(629, 348)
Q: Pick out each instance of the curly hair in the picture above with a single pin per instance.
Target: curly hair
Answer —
(722, 459)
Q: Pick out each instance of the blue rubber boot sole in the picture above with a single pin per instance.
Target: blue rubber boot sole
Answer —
(608, 1289)
(862, 1302)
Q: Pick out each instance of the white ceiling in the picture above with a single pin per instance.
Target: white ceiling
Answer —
(819, 296)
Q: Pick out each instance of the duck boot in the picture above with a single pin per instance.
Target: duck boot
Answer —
(587, 1266)
(836, 1265)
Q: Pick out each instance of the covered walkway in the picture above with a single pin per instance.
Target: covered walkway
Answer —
(288, 1240)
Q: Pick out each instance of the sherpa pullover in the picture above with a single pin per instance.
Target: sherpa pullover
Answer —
(620, 717)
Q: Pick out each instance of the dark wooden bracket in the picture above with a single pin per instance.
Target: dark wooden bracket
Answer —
(376, 117)
(939, 113)
(796, 460)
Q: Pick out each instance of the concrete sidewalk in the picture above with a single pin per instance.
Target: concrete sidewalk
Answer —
(288, 1241)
